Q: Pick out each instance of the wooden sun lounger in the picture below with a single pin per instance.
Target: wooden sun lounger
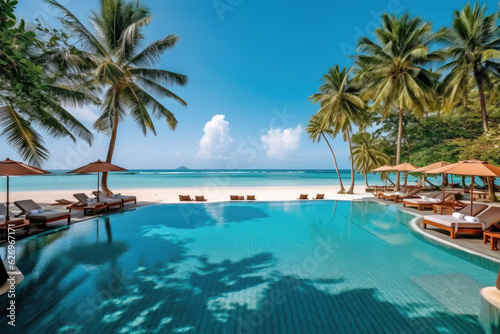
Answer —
(320, 196)
(85, 206)
(200, 199)
(48, 216)
(108, 200)
(16, 223)
(251, 198)
(458, 226)
(421, 203)
(185, 198)
(303, 197)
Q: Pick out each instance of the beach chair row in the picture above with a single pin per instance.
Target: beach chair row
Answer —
(32, 213)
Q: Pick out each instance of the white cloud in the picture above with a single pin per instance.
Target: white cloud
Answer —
(84, 115)
(281, 144)
(216, 142)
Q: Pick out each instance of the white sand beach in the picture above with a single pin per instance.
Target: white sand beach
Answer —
(216, 194)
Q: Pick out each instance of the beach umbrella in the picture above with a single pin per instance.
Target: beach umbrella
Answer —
(433, 166)
(405, 167)
(98, 167)
(471, 168)
(15, 168)
(384, 169)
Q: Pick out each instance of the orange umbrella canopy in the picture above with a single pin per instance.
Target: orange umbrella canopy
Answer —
(385, 168)
(405, 167)
(98, 167)
(431, 167)
(472, 167)
(14, 168)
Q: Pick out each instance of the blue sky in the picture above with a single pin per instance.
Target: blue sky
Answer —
(251, 66)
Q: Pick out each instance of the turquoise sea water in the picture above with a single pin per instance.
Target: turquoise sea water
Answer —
(284, 267)
(192, 178)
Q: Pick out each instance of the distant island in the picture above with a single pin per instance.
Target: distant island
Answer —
(182, 167)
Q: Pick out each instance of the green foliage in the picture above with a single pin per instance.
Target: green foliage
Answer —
(485, 147)
(33, 87)
(435, 138)
(368, 152)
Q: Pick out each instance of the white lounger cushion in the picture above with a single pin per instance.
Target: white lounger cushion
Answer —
(418, 201)
(453, 222)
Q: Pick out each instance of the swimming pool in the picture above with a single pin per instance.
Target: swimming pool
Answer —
(302, 267)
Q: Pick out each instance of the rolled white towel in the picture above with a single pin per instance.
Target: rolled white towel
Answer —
(458, 215)
(41, 210)
(425, 197)
(33, 212)
(471, 219)
(2, 218)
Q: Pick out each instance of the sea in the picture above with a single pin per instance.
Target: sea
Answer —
(165, 178)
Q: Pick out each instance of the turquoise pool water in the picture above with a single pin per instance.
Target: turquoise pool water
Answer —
(285, 267)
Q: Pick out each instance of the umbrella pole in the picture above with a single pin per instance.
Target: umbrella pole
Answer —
(442, 186)
(471, 197)
(7, 218)
(97, 186)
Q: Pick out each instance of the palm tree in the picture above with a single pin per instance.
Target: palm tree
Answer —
(316, 132)
(124, 71)
(368, 153)
(392, 71)
(33, 90)
(340, 108)
(473, 46)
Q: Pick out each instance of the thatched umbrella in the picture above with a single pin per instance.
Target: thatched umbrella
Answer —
(98, 167)
(15, 168)
(471, 168)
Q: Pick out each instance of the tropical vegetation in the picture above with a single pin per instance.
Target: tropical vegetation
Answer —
(34, 90)
(341, 108)
(125, 72)
(430, 95)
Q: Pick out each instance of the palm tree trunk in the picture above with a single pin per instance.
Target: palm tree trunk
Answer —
(484, 115)
(366, 180)
(342, 190)
(112, 143)
(351, 189)
(398, 151)
(491, 190)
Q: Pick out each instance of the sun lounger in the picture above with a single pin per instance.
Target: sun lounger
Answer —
(241, 198)
(29, 208)
(428, 203)
(250, 197)
(88, 205)
(14, 223)
(411, 193)
(233, 197)
(303, 197)
(455, 225)
(320, 196)
(124, 199)
(185, 198)
(200, 199)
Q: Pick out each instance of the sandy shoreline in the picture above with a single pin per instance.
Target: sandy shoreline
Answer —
(215, 194)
